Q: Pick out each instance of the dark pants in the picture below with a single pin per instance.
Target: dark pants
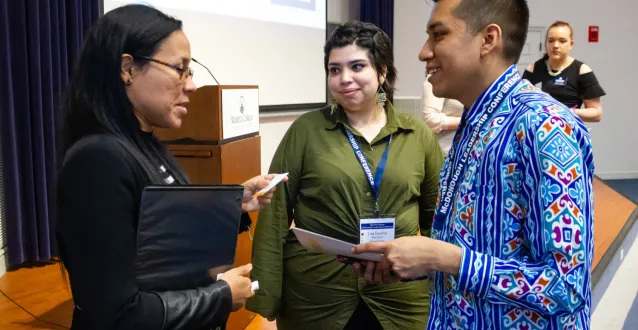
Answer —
(363, 318)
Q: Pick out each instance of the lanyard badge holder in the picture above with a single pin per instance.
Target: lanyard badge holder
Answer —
(378, 228)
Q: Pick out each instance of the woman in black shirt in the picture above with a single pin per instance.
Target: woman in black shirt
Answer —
(566, 79)
(132, 75)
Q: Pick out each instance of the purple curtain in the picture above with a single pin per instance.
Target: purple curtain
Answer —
(40, 41)
(379, 13)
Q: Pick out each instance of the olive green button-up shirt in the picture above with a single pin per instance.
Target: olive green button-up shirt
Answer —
(328, 193)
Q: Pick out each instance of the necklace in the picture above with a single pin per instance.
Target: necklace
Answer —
(555, 73)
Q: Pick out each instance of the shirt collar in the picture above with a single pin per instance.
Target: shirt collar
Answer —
(488, 96)
(394, 121)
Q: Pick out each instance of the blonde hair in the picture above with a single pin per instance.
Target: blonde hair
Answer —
(560, 24)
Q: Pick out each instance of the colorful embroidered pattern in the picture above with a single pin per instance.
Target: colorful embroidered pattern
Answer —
(523, 214)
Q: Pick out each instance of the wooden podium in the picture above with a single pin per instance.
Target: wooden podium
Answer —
(219, 143)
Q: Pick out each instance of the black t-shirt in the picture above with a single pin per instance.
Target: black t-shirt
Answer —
(569, 87)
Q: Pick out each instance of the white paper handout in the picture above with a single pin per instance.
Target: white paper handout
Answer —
(323, 244)
(272, 184)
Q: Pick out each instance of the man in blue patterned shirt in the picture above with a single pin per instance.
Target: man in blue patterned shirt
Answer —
(512, 239)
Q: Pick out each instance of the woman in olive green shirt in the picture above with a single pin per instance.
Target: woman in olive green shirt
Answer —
(328, 193)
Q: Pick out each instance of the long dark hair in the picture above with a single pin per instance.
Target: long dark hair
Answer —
(371, 38)
(96, 100)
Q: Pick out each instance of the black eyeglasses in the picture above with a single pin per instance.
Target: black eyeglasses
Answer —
(183, 72)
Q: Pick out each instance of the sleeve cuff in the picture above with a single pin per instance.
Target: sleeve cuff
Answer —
(475, 272)
(266, 306)
(227, 298)
(433, 122)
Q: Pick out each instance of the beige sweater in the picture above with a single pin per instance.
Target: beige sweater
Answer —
(436, 113)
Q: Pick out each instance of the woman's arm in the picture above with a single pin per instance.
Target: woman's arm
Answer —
(273, 226)
(592, 110)
(432, 106)
(451, 123)
(430, 186)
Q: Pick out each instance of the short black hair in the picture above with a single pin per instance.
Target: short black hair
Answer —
(511, 15)
(371, 38)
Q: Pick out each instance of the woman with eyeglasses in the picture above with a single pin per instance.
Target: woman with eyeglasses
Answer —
(132, 75)
(569, 81)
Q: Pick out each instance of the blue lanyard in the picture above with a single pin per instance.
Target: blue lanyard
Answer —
(450, 181)
(375, 181)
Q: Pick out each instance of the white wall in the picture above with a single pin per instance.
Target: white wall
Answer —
(273, 126)
(272, 129)
(410, 19)
(612, 59)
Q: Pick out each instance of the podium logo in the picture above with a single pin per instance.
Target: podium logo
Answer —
(242, 118)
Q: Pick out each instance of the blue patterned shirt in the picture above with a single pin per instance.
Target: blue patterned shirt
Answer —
(521, 209)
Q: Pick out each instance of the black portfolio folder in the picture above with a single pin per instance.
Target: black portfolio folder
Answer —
(183, 231)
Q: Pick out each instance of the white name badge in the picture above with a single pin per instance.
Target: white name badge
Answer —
(376, 230)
